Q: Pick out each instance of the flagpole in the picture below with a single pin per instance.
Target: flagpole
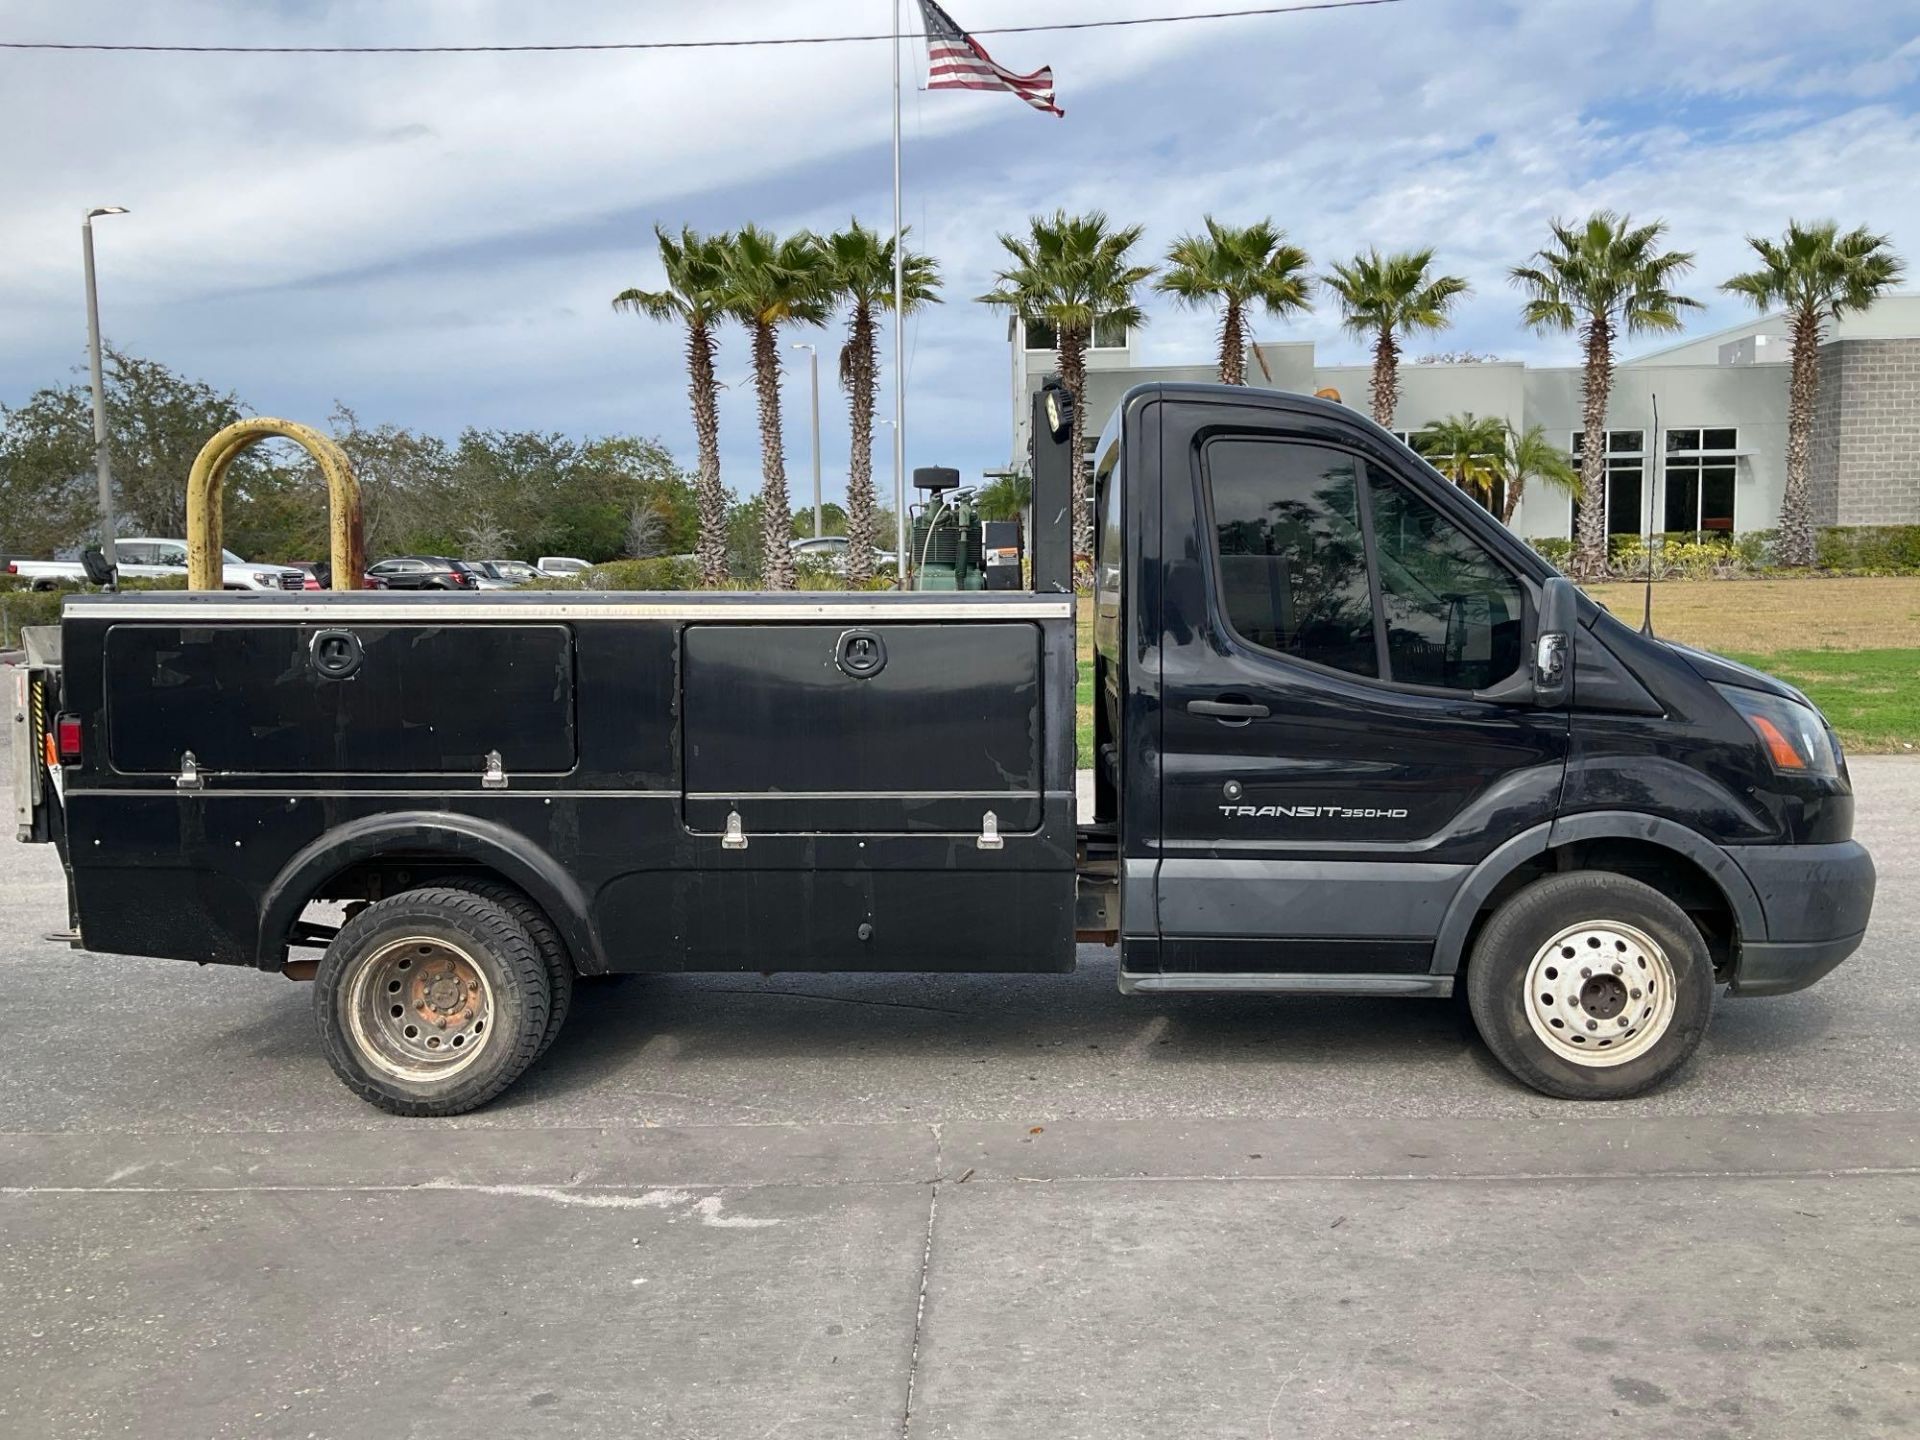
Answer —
(899, 350)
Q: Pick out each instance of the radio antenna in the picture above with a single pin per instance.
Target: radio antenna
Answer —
(1653, 491)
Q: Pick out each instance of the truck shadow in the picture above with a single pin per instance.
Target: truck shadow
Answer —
(1020, 1030)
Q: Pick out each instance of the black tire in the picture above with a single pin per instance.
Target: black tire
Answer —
(471, 954)
(546, 941)
(1598, 919)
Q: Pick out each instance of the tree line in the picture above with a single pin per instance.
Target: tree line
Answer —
(485, 494)
(1600, 279)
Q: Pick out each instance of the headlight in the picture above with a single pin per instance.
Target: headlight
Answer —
(1796, 740)
(266, 580)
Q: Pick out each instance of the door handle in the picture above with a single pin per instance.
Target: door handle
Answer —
(1229, 712)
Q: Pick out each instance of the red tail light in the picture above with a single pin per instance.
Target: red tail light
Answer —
(66, 738)
(13, 568)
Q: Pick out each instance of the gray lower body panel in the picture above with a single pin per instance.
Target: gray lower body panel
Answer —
(1430, 986)
(1343, 899)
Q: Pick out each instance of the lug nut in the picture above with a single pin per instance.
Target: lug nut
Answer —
(1593, 1024)
(1586, 974)
(1618, 969)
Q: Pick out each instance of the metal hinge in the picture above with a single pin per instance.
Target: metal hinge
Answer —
(494, 777)
(189, 776)
(735, 837)
(990, 833)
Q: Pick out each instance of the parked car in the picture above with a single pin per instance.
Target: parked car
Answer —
(502, 574)
(564, 566)
(831, 551)
(144, 558)
(319, 576)
(424, 572)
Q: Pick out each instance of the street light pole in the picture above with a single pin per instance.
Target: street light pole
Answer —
(813, 365)
(103, 469)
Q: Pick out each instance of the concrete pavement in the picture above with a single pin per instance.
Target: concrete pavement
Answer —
(955, 1206)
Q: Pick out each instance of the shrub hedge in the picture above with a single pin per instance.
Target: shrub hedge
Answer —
(1842, 550)
(23, 605)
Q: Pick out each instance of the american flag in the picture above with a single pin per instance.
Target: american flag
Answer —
(957, 61)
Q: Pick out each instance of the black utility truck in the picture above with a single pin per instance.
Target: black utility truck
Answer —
(1351, 737)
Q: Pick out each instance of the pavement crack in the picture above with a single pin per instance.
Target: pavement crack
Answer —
(926, 1268)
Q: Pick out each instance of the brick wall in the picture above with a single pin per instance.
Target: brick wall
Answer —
(1865, 460)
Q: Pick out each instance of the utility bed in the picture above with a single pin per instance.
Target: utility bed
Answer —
(722, 781)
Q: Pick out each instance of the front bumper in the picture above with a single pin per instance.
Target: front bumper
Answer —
(1816, 899)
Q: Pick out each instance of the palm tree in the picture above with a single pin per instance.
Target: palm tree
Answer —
(1467, 449)
(859, 265)
(695, 266)
(1817, 275)
(1387, 296)
(772, 281)
(1068, 272)
(1529, 455)
(1236, 268)
(1601, 278)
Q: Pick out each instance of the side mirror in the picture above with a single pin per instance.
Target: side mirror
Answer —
(94, 562)
(1546, 680)
(1553, 643)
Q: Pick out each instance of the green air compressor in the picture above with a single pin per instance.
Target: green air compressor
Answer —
(947, 548)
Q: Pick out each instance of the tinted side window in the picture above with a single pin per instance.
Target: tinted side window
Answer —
(1454, 616)
(1292, 564)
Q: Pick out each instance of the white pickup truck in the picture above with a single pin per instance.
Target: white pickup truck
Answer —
(142, 558)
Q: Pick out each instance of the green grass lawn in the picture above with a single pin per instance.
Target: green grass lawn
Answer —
(1871, 697)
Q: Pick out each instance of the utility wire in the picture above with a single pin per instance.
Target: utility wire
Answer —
(667, 44)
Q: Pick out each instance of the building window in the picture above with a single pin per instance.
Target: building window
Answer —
(1108, 334)
(1700, 467)
(1625, 482)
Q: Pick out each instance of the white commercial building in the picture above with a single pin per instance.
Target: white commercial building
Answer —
(1722, 439)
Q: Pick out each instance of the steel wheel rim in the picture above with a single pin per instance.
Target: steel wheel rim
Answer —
(420, 1009)
(1600, 993)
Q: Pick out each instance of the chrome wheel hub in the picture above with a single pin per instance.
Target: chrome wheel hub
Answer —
(419, 1009)
(1600, 993)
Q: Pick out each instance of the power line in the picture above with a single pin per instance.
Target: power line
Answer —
(588, 46)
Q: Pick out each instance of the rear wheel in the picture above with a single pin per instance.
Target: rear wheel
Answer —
(431, 1002)
(546, 941)
(1590, 986)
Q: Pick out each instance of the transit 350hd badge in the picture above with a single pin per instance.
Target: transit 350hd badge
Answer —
(1307, 812)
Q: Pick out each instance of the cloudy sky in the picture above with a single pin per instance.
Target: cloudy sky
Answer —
(434, 239)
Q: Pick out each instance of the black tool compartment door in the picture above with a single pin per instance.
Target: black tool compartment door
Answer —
(883, 728)
(269, 699)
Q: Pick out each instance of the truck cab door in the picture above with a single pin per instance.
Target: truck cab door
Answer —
(1328, 770)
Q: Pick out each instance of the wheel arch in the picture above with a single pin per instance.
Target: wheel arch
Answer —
(1616, 840)
(426, 837)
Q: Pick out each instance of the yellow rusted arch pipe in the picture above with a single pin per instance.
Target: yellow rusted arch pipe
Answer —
(207, 482)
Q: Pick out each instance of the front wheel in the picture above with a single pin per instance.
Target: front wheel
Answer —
(431, 1002)
(1590, 986)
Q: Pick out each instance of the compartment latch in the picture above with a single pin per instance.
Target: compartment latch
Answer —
(189, 776)
(494, 777)
(990, 833)
(735, 837)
